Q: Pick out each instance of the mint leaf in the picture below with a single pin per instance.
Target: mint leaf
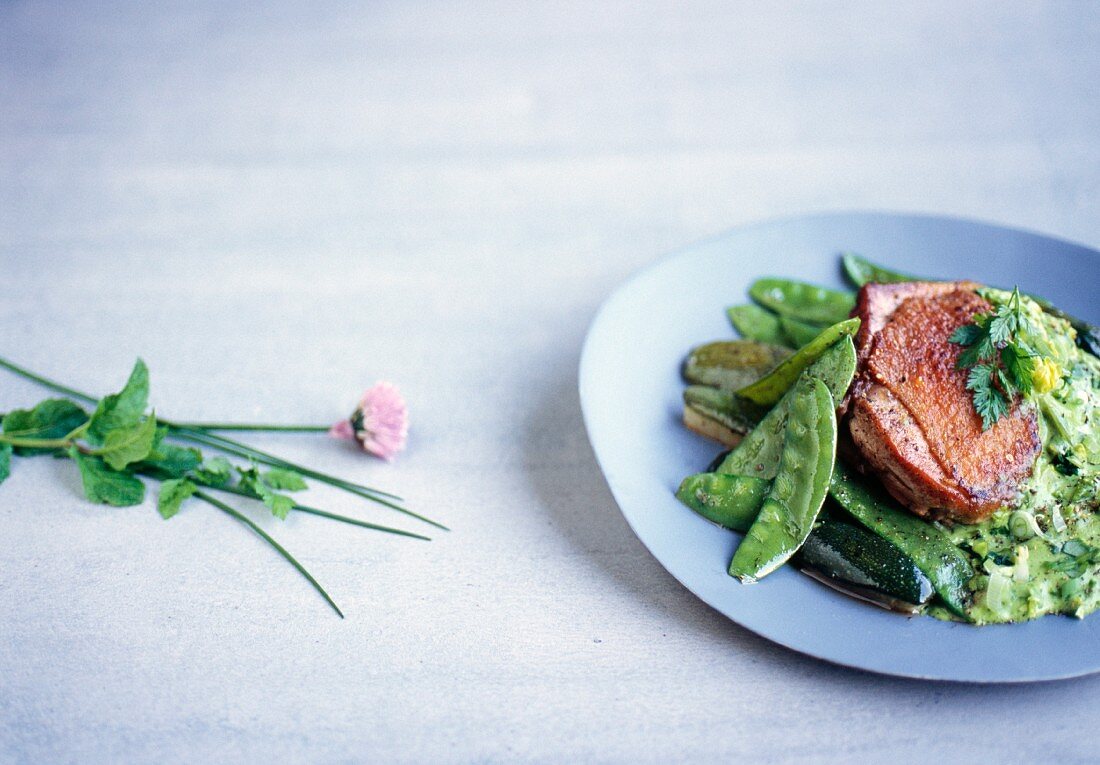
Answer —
(52, 418)
(5, 461)
(214, 472)
(125, 445)
(123, 409)
(171, 460)
(284, 480)
(106, 486)
(172, 494)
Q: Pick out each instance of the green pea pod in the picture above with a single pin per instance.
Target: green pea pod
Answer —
(770, 388)
(861, 271)
(758, 453)
(929, 547)
(732, 501)
(731, 364)
(798, 333)
(848, 558)
(755, 323)
(805, 302)
(794, 500)
(728, 408)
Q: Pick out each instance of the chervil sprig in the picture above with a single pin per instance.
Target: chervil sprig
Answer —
(1000, 361)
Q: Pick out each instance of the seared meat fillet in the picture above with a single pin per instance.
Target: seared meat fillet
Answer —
(910, 416)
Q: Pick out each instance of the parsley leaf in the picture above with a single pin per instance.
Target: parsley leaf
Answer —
(106, 486)
(172, 494)
(1001, 363)
(284, 480)
(251, 482)
(214, 472)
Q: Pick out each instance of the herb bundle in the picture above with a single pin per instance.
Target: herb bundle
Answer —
(1001, 362)
(118, 444)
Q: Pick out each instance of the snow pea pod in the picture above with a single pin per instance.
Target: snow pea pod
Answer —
(798, 333)
(758, 453)
(719, 414)
(755, 323)
(861, 271)
(770, 388)
(795, 497)
(929, 547)
(805, 302)
(732, 501)
(731, 364)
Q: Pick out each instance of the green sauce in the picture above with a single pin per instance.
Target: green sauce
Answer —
(1042, 555)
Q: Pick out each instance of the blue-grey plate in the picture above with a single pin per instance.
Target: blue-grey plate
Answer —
(630, 392)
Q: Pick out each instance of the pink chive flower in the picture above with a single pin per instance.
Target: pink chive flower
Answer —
(380, 423)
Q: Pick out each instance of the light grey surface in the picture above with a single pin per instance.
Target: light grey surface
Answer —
(277, 206)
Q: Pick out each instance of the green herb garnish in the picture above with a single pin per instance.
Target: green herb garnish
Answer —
(119, 444)
(1000, 361)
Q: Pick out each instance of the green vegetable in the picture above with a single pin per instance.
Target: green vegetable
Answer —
(795, 497)
(252, 484)
(172, 494)
(5, 461)
(52, 419)
(127, 444)
(866, 564)
(770, 388)
(215, 471)
(284, 480)
(756, 323)
(732, 501)
(734, 412)
(1000, 359)
(123, 409)
(805, 302)
(758, 453)
(731, 364)
(107, 486)
(171, 460)
(861, 271)
(1088, 335)
(929, 547)
(799, 332)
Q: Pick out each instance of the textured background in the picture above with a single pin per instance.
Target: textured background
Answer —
(276, 206)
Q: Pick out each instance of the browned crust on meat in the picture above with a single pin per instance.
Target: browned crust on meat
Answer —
(911, 417)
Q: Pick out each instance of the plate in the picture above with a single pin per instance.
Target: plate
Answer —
(630, 394)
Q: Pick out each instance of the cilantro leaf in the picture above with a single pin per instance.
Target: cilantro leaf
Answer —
(989, 402)
(106, 486)
(52, 418)
(5, 461)
(172, 494)
(125, 445)
(284, 480)
(251, 482)
(967, 334)
(123, 409)
(214, 472)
